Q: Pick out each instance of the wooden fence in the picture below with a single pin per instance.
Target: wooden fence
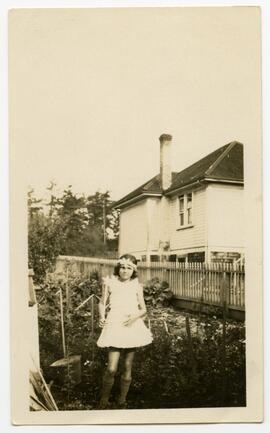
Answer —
(210, 283)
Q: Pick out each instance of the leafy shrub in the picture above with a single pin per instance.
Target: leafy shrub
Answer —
(45, 238)
(192, 372)
(157, 293)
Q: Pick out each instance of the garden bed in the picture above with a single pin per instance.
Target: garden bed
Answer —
(195, 360)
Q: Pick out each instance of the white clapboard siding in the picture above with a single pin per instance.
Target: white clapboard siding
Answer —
(225, 218)
(194, 236)
(154, 223)
(133, 228)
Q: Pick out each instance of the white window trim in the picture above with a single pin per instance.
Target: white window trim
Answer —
(185, 211)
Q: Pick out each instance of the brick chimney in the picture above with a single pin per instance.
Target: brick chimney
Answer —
(165, 161)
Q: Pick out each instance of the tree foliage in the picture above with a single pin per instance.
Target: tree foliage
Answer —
(45, 238)
(70, 225)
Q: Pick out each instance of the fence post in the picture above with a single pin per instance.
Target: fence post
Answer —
(225, 289)
(148, 270)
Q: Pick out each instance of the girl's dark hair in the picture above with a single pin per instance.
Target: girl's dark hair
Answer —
(118, 266)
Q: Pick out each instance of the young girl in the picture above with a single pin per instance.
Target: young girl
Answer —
(123, 330)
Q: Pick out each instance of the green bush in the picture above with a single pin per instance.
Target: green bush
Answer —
(45, 237)
(156, 293)
(178, 371)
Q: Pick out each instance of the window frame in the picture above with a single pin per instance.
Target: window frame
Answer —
(185, 211)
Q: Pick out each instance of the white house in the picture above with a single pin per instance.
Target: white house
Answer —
(194, 215)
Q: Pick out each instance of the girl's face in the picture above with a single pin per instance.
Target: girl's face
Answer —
(125, 272)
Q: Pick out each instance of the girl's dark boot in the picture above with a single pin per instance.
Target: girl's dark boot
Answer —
(108, 381)
(124, 388)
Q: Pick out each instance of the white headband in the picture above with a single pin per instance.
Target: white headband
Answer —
(127, 262)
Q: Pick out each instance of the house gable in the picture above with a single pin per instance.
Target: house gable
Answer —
(230, 166)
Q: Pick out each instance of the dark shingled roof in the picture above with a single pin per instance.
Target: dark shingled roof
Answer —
(152, 186)
(224, 164)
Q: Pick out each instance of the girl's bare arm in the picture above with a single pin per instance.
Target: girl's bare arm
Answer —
(142, 308)
(141, 302)
(102, 304)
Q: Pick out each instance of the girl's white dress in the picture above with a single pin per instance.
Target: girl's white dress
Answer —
(123, 301)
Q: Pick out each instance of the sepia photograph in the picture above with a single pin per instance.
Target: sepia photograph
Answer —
(136, 239)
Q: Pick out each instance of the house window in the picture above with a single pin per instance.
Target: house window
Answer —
(154, 258)
(225, 257)
(182, 210)
(189, 208)
(196, 257)
(185, 209)
(182, 258)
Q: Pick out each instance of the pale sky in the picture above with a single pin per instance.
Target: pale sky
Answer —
(91, 90)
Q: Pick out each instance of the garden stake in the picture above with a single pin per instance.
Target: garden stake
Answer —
(67, 360)
(69, 375)
(84, 302)
(68, 322)
(92, 327)
(63, 331)
(62, 324)
(92, 298)
(67, 291)
(105, 299)
(165, 326)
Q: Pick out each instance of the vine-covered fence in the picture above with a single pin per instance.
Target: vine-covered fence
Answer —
(210, 283)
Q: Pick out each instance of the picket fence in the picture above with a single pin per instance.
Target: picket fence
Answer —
(211, 283)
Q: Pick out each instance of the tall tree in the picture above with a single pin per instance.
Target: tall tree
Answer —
(102, 216)
(53, 201)
(74, 215)
(34, 204)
